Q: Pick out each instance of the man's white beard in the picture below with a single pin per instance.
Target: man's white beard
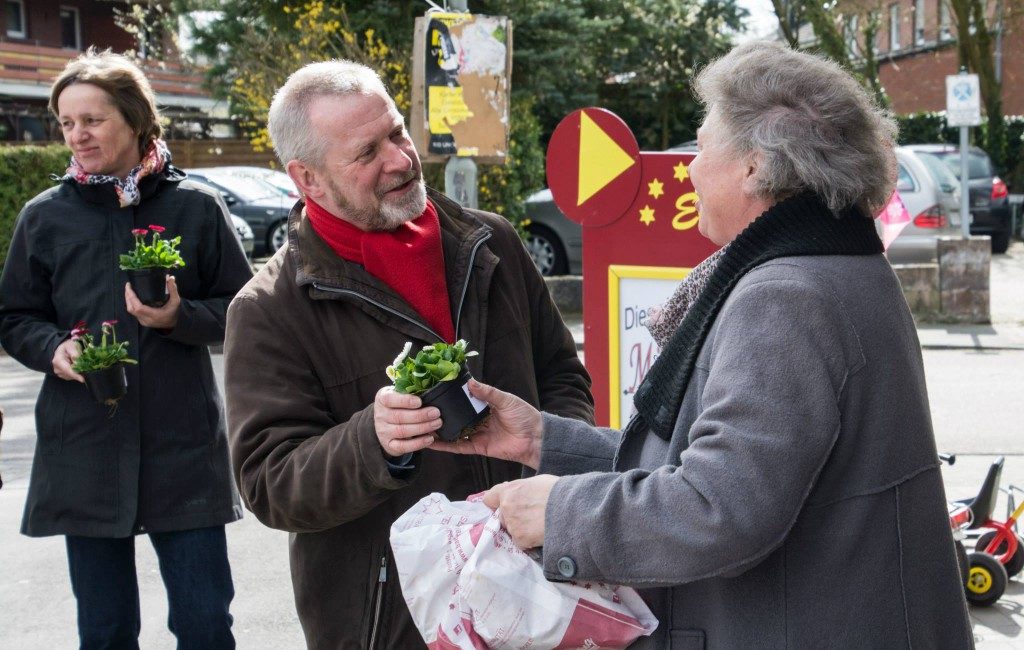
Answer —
(394, 213)
(391, 215)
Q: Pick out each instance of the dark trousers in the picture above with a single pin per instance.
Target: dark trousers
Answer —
(194, 567)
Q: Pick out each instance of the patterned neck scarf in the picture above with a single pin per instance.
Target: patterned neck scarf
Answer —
(666, 319)
(154, 161)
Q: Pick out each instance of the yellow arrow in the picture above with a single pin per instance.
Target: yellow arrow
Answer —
(602, 160)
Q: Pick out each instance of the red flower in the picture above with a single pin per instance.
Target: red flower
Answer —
(156, 228)
(109, 323)
(79, 330)
(139, 232)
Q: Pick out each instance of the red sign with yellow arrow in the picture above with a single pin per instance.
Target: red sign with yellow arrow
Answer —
(639, 217)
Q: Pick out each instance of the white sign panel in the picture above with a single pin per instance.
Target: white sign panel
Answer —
(633, 290)
(963, 100)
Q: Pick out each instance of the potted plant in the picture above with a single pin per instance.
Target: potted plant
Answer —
(148, 265)
(438, 375)
(102, 364)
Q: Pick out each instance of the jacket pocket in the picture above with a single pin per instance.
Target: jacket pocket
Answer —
(686, 639)
(376, 609)
(50, 408)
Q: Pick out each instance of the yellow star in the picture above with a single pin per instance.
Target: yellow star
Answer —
(654, 188)
(647, 215)
(681, 172)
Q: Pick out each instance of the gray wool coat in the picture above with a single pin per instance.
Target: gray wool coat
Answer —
(799, 502)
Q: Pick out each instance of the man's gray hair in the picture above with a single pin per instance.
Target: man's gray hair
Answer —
(288, 120)
(809, 122)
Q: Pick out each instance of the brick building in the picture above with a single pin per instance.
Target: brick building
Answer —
(38, 37)
(916, 47)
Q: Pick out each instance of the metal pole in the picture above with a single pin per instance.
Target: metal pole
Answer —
(458, 5)
(965, 196)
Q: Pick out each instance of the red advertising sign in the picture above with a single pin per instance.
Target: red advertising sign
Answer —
(639, 218)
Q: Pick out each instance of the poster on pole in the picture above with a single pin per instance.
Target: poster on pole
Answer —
(461, 70)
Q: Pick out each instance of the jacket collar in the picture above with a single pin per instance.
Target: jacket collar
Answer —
(317, 265)
(103, 194)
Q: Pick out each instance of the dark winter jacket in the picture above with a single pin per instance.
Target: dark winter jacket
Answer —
(160, 461)
(307, 344)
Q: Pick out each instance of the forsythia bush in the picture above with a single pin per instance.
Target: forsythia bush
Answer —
(24, 172)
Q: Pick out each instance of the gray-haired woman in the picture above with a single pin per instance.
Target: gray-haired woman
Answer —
(779, 487)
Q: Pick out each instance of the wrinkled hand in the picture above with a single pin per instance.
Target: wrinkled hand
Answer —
(512, 431)
(402, 425)
(65, 355)
(521, 505)
(161, 318)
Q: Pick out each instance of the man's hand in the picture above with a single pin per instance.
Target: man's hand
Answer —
(512, 431)
(521, 505)
(402, 425)
(65, 355)
(160, 318)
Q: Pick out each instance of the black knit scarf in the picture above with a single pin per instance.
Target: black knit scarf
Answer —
(799, 225)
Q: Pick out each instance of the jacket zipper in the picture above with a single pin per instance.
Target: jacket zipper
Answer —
(378, 599)
(465, 285)
(458, 313)
(330, 289)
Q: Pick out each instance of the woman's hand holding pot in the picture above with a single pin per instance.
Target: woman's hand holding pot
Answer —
(513, 431)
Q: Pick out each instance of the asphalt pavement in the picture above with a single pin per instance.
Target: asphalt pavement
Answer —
(976, 386)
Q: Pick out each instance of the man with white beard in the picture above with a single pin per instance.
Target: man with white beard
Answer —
(373, 260)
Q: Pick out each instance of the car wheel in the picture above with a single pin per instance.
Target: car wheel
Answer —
(1000, 241)
(277, 236)
(546, 250)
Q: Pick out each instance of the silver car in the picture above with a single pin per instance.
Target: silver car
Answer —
(932, 196)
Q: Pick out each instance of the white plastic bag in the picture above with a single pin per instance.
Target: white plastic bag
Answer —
(469, 587)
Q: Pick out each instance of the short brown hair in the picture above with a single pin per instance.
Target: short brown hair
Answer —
(126, 84)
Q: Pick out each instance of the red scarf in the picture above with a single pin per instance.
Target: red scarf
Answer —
(408, 259)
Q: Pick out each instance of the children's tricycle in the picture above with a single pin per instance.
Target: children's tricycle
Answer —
(999, 552)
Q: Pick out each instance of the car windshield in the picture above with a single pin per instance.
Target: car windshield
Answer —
(977, 164)
(939, 172)
(246, 188)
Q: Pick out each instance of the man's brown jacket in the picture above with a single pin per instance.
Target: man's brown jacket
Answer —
(307, 343)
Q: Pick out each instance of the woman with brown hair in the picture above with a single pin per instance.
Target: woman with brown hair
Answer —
(159, 463)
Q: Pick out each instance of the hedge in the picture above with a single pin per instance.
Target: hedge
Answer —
(24, 172)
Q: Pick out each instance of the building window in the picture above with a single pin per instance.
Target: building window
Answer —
(894, 27)
(944, 32)
(70, 28)
(851, 36)
(16, 19)
(919, 22)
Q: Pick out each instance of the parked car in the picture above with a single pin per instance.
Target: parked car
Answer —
(244, 233)
(931, 195)
(989, 201)
(555, 242)
(280, 180)
(264, 207)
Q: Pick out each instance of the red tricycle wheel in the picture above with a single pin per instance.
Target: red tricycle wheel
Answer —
(1016, 561)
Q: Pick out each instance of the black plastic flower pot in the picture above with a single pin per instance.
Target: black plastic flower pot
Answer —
(150, 285)
(107, 385)
(458, 412)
